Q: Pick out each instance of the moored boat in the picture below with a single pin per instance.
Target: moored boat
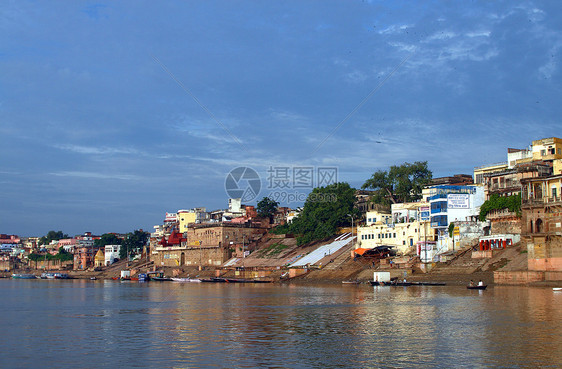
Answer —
(157, 276)
(477, 287)
(23, 276)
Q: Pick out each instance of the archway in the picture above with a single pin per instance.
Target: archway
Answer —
(538, 226)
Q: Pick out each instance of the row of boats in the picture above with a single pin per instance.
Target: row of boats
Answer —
(404, 283)
(42, 276)
(160, 277)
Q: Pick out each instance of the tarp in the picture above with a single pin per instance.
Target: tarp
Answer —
(361, 251)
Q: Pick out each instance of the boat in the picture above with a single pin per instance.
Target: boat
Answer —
(158, 276)
(186, 280)
(477, 287)
(23, 276)
(557, 288)
(397, 284)
(93, 278)
(350, 282)
(143, 277)
(214, 280)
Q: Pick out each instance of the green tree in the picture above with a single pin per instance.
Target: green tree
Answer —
(133, 243)
(52, 235)
(108, 239)
(325, 209)
(267, 207)
(402, 183)
(63, 255)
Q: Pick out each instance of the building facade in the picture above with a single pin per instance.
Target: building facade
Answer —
(541, 222)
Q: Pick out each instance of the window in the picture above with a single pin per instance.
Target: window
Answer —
(553, 191)
(394, 236)
(543, 152)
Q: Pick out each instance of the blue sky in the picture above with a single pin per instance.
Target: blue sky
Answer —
(112, 113)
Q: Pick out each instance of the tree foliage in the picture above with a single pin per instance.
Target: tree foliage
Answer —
(325, 209)
(133, 243)
(496, 202)
(62, 255)
(402, 183)
(108, 239)
(52, 235)
(267, 207)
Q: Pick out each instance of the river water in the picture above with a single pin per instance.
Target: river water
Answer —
(93, 324)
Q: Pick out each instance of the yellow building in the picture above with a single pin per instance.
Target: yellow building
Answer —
(99, 259)
(547, 149)
(557, 167)
(377, 217)
(479, 172)
(185, 218)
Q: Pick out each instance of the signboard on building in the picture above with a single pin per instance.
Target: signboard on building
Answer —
(458, 201)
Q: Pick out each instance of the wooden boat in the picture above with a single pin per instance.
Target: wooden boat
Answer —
(214, 280)
(477, 287)
(557, 288)
(350, 282)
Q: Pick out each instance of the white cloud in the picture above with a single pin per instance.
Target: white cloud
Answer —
(93, 150)
(355, 77)
(394, 29)
(97, 175)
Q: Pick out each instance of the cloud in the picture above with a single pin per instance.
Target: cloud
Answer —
(394, 29)
(94, 150)
(97, 175)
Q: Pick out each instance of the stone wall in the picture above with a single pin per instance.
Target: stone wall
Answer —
(518, 277)
(205, 256)
(506, 225)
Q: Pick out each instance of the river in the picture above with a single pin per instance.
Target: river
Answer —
(93, 324)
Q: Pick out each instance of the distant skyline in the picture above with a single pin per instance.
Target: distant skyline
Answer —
(112, 114)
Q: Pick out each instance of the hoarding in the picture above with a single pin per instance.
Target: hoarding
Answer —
(458, 201)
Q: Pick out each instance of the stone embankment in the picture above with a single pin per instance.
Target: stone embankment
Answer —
(269, 262)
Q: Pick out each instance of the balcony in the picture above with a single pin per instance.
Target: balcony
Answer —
(532, 202)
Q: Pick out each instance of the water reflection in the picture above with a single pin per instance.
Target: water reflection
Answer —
(199, 325)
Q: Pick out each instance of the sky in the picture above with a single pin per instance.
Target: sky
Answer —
(114, 113)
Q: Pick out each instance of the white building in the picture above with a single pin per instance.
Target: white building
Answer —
(450, 204)
(111, 253)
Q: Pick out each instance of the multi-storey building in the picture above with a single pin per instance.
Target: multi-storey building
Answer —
(205, 244)
(542, 222)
